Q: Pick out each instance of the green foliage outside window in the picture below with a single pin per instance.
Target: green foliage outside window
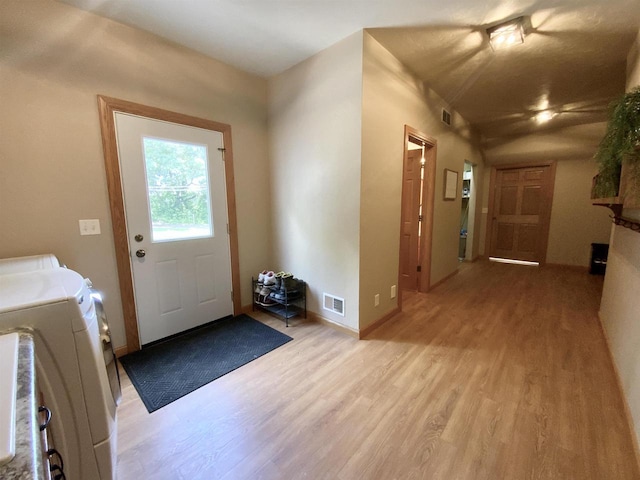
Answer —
(177, 182)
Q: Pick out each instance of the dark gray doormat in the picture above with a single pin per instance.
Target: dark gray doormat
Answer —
(168, 370)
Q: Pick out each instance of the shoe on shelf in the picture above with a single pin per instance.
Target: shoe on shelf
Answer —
(282, 277)
(269, 279)
(289, 283)
(278, 278)
(261, 276)
(265, 291)
(265, 301)
(277, 296)
(284, 296)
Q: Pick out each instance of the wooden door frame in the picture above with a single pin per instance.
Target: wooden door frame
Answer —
(547, 221)
(428, 200)
(107, 106)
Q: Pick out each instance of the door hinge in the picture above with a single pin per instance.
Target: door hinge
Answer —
(419, 218)
(232, 295)
(228, 231)
(419, 268)
(222, 149)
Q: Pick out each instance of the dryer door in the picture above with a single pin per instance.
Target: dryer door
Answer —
(107, 348)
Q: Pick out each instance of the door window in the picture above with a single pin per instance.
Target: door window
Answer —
(177, 190)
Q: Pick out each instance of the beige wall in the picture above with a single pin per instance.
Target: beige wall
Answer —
(393, 98)
(620, 313)
(54, 60)
(620, 306)
(575, 222)
(315, 111)
(336, 198)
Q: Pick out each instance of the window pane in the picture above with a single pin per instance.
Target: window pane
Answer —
(178, 190)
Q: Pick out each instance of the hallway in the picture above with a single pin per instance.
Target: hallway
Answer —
(500, 373)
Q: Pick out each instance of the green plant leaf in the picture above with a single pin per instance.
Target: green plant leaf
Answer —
(620, 144)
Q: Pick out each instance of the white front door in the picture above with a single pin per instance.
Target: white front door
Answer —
(173, 181)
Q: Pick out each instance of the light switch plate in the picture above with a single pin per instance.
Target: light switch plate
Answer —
(89, 227)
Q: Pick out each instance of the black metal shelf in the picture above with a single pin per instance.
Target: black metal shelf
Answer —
(283, 311)
(286, 308)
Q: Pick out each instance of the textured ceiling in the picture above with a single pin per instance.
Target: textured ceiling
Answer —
(573, 59)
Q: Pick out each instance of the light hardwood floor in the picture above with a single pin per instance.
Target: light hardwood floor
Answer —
(500, 373)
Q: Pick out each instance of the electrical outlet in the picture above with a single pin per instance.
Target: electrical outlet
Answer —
(376, 300)
(393, 291)
(89, 227)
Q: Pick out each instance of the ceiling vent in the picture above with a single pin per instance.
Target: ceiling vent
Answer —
(446, 117)
(333, 304)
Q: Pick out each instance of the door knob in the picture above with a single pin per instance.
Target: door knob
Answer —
(140, 253)
(138, 238)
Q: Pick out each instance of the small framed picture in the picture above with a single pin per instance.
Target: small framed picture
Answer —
(450, 184)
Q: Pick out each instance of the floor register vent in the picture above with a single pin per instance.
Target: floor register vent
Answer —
(333, 304)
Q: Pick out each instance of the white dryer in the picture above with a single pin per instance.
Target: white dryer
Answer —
(73, 356)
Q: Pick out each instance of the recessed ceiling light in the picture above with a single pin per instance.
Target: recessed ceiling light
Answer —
(506, 34)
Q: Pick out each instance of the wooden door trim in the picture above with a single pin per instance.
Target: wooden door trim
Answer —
(428, 200)
(547, 221)
(548, 198)
(107, 106)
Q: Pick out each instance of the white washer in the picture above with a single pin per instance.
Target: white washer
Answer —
(71, 347)
(28, 264)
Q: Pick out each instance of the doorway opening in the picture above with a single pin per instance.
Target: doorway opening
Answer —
(467, 213)
(416, 230)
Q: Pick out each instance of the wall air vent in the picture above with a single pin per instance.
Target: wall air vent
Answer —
(333, 304)
(446, 117)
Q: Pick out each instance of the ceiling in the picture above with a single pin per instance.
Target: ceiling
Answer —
(572, 61)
